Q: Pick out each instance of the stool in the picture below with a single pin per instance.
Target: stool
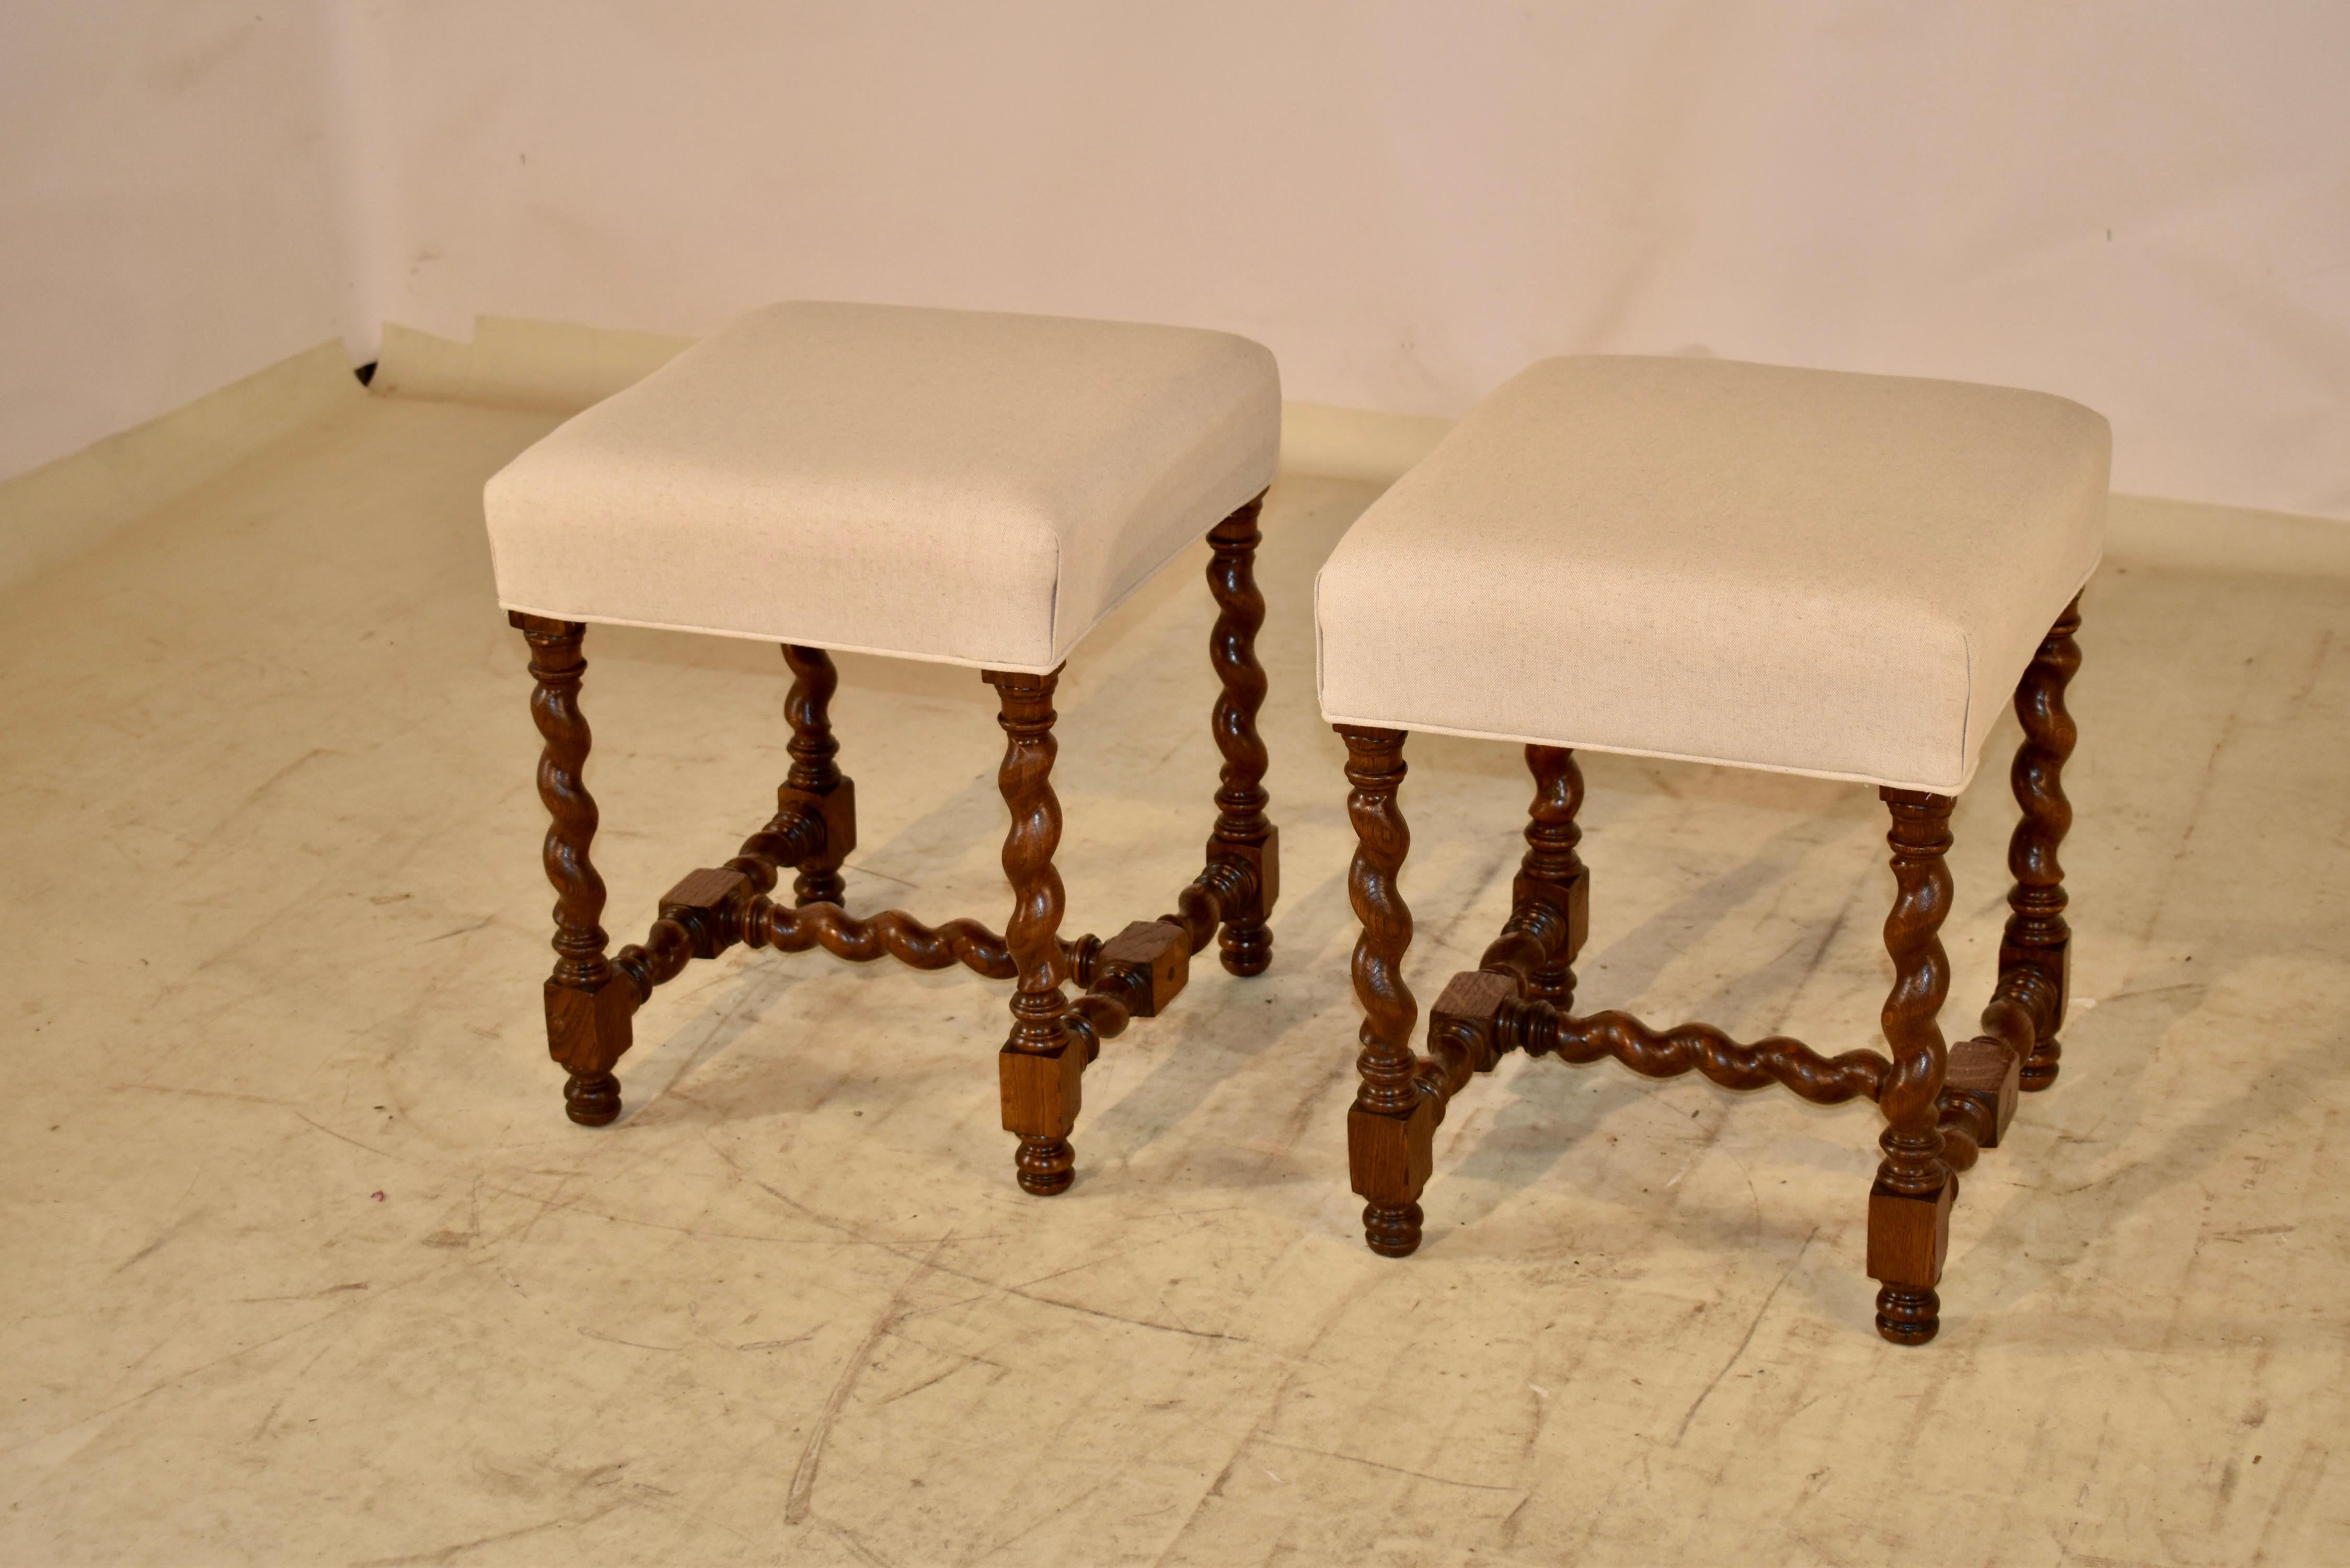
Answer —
(1840, 575)
(972, 488)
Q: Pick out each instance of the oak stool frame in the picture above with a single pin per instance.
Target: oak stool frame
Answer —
(1942, 1105)
(592, 999)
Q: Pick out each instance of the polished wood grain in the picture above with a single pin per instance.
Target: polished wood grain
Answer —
(1041, 1066)
(2034, 958)
(588, 1015)
(814, 782)
(1542, 1030)
(1244, 841)
(892, 933)
(1391, 1129)
(1910, 1206)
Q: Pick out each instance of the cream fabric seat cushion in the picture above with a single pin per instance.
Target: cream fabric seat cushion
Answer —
(1801, 570)
(965, 486)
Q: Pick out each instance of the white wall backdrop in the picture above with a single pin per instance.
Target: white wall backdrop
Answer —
(168, 178)
(2141, 204)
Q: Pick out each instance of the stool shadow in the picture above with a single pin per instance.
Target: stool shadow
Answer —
(763, 979)
(2024, 1246)
(1990, 1271)
(1536, 1126)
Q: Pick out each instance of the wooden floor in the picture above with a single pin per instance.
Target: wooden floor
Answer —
(305, 1265)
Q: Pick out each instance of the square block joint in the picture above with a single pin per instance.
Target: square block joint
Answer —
(587, 1031)
(2053, 962)
(1263, 861)
(1156, 952)
(1041, 1091)
(1986, 1070)
(835, 809)
(1391, 1158)
(1909, 1235)
(1468, 1010)
(1573, 899)
(708, 904)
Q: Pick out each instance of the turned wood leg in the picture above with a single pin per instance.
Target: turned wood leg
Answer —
(2035, 953)
(1244, 840)
(1391, 1128)
(1910, 1206)
(590, 1005)
(814, 782)
(1042, 1063)
(1552, 871)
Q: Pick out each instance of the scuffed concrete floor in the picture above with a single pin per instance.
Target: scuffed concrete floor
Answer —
(305, 1265)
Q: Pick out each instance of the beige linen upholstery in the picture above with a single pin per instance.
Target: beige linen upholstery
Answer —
(1801, 570)
(955, 485)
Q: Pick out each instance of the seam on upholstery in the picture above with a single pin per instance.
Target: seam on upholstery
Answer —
(2082, 586)
(1014, 666)
(1417, 728)
(1132, 588)
(1969, 747)
(1053, 609)
(1317, 637)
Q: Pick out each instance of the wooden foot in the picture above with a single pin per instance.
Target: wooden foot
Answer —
(1244, 840)
(592, 1099)
(1041, 1096)
(1392, 1231)
(1390, 1158)
(1908, 1316)
(1391, 1129)
(588, 1003)
(1909, 1239)
(2035, 952)
(1045, 1166)
(2040, 1069)
(1245, 950)
(1910, 1206)
(1042, 1063)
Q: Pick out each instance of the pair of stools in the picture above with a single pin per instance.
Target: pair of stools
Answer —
(1840, 575)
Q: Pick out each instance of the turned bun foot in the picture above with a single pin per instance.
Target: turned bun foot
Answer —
(1553, 983)
(592, 1099)
(1908, 1316)
(1392, 1231)
(1046, 1165)
(1246, 951)
(819, 887)
(2041, 1068)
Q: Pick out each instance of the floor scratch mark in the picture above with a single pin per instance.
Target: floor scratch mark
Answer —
(803, 1489)
(1723, 1370)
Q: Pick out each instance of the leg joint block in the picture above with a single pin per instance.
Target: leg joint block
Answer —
(1042, 1090)
(710, 904)
(587, 1031)
(1151, 960)
(1572, 900)
(1466, 1019)
(1252, 881)
(834, 813)
(1391, 1157)
(1987, 1071)
(1909, 1234)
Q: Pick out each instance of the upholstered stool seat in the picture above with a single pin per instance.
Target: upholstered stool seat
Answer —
(1801, 570)
(1837, 575)
(977, 489)
(959, 485)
